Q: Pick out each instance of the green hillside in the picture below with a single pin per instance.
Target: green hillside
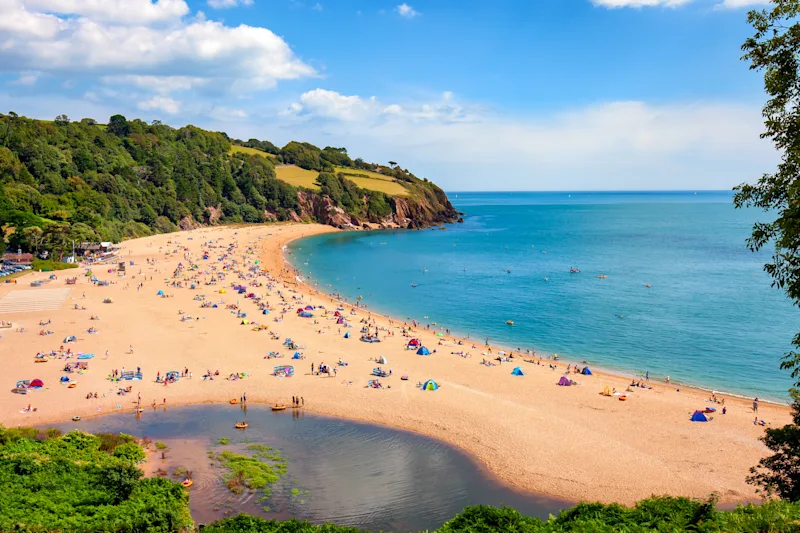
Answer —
(64, 181)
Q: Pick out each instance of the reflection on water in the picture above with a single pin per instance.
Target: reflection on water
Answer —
(343, 472)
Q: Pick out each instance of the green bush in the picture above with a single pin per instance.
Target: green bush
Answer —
(49, 264)
(81, 482)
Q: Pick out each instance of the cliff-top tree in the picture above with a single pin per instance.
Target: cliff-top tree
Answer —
(774, 49)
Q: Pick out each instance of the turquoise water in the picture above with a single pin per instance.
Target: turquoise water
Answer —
(710, 317)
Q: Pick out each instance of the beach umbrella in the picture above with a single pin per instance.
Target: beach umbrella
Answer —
(37, 384)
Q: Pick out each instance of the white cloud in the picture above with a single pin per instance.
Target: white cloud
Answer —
(116, 11)
(737, 4)
(27, 78)
(621, 145)
(162, 103)
(242, 57)
(406, 11)
(225, 4)
(330, 104)
(159, 84)
(317, 7)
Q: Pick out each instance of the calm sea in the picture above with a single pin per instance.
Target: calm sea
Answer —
(709, 318)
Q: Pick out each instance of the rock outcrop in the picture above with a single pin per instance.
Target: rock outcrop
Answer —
(411, 212)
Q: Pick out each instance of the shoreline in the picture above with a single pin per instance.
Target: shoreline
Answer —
(557, 442)
(300, 280)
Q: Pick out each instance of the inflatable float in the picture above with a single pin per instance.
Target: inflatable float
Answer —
(241, 425)
(278, 407)
(186, 483)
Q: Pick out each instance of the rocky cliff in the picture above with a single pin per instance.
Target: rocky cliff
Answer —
(412, 212)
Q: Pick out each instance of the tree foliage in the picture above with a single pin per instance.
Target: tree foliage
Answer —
(656, 514)
(774, 50)
(82, 482)
(78, 181)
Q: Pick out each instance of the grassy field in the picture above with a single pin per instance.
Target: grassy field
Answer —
(373, 181)
(249, 151)
(299, 177)
(363, 178)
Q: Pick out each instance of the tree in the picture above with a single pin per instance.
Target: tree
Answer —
(119, 126)
(62, 120)
(34, 236)
(392, 163)
(779, 474)
(774, 49)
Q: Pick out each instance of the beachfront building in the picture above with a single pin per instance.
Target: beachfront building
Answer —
(18, 259)
(97, 252)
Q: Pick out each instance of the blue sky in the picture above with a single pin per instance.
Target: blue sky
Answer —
(504, 95)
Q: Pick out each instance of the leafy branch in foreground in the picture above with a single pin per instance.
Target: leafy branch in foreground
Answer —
(774, 49)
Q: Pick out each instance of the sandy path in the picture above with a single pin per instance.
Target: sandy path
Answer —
(570, 442)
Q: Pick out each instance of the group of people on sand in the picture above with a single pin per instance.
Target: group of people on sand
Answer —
(298, 401)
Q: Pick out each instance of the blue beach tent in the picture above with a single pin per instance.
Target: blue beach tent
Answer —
(160, 293)
(296, 355)
(423, 351)
(699, 416)
(586, 371)
(265, 312)
(347, 335)
(517, 372)
(430, 385)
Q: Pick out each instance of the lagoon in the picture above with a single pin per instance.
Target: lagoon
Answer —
(343, 472)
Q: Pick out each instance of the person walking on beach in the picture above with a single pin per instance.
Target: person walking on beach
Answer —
(755, 405)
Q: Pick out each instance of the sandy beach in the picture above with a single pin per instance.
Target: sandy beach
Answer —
(569, 442)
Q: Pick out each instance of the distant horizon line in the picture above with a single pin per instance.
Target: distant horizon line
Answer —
(602, 191)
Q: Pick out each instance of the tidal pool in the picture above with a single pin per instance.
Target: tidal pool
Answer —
(343, 472)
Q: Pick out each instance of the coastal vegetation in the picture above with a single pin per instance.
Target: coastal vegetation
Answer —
(651, 515)
(79, 482)
(82, 482)
(774, 49)
(68, 181)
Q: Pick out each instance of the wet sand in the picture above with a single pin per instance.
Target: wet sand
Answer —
(569, 442)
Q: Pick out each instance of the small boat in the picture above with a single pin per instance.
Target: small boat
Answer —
(415, 284)
(76, 418)
(241, 425)
(510, 322)
(278, 407)
(602, 276)
(574, 270)
(234, 401)
(186, 483)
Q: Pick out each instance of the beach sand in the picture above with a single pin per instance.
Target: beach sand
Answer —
(569, 442)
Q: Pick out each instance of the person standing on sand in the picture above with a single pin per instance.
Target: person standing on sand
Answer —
(302, 401)
(755, 405)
